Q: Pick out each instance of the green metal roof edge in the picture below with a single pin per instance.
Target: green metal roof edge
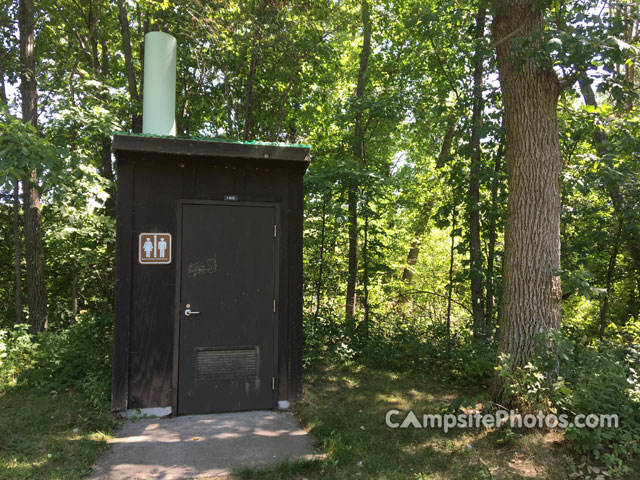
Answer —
(215, 139)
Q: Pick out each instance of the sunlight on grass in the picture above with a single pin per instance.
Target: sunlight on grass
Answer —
(45, 436)
(345, 411)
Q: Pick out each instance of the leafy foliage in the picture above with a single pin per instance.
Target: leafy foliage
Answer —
(77, 358)
(570, 377)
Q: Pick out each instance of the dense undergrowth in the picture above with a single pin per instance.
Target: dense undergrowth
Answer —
(71, 368)
(54, 399)
(77, 357)
(571, 374)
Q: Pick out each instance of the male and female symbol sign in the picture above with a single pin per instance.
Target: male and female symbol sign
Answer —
(154, 248)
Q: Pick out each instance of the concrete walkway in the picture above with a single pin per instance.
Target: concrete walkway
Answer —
(202, 446)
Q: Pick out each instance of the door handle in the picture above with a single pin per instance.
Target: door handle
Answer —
(188, 312)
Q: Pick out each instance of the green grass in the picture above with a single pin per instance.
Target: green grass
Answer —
(45, 436)
(345, 406)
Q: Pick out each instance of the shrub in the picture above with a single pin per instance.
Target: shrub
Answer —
(77, 357)
(573, 378)
(16, 354)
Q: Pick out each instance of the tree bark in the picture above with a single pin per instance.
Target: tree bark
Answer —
(450, 287)
(74, 279)
(611, 268)
(532, 292)
(320, 261)
(414, 251)
(17, 254)
(253, 66)
(412, 259)
(358, 154)
(473, 198)
(3, 90)
(491, 248)
(352, 275)
(123, 18)
(107, 174)
(365, 274)
(36, 287)
(445, 150)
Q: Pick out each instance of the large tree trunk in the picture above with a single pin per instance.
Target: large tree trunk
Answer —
(473, 199)
(532, 292)
(36, 287)
(358, 154)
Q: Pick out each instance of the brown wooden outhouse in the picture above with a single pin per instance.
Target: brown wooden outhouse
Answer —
(208, 292)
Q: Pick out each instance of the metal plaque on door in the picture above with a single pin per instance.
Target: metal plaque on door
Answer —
(154, 248)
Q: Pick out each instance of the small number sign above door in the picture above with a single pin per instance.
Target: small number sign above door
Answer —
(154, 248)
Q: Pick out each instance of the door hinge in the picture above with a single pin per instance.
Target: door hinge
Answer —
(273, 383)
(275, 231)
(274, 305)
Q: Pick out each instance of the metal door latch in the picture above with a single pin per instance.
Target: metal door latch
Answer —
(188, 312)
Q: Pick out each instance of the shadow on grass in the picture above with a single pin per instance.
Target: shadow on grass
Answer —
(345, 407)
(49, 436)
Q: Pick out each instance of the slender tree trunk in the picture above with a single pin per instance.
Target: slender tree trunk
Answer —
(491, 249)
(632, 237)
(532, 292)
(320, 261)
(445, 150)
(229, 102)
(358, 154)
(608, 285)
(414, 251)
(253, 66)
(107, 173)
(412, 259)
(3, 90)
(123, 18)
(74, 279)
(630, 67)
(36, 287)
(292, 136)
(352, 275)
(16, 216)
(450, 286)
(285, 98)
(17, 252)
(365, 273)
(475, 247)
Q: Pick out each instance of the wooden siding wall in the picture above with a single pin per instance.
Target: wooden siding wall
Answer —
(149, 187)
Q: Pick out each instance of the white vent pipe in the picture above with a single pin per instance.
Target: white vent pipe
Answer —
(159, 97)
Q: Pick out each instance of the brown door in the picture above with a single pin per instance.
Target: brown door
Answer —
(227, 304)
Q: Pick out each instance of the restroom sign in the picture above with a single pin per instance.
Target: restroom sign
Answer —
(154, 248)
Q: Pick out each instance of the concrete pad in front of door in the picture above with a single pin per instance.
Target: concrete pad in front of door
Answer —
(205, 446)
